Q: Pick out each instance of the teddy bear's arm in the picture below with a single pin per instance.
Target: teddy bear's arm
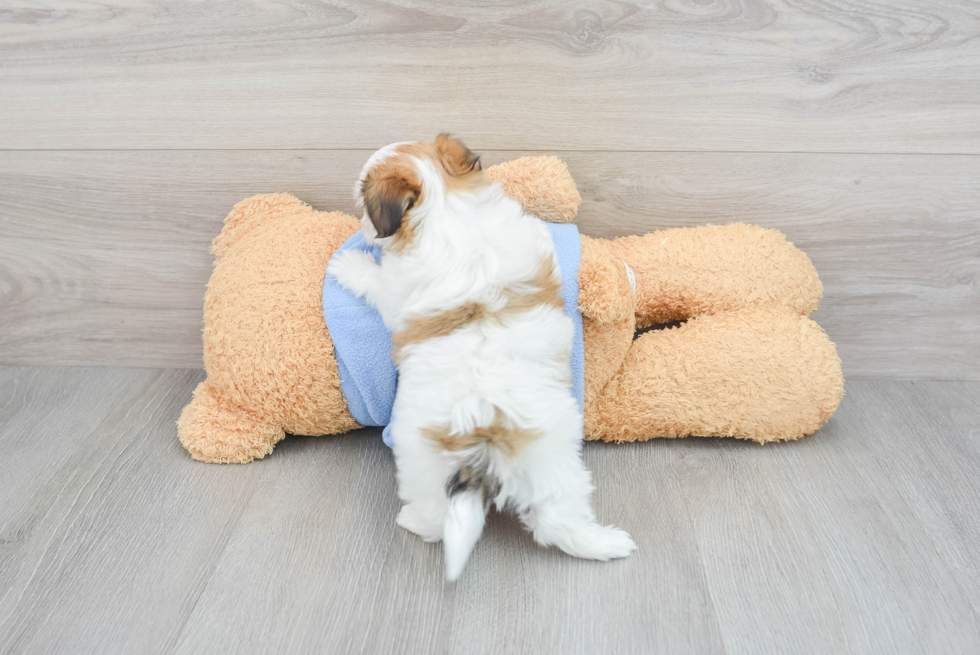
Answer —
(605, 294)
(542, 185)
(692, 271)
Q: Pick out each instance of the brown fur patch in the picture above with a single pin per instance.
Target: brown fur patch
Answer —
(391, 189)
(546, 281)
(500, 434)
(460, 168)
(456, 159)
(438, 325)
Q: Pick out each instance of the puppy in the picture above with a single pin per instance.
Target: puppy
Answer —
(470, 287)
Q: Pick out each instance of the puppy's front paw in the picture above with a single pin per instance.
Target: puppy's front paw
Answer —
(354, 270)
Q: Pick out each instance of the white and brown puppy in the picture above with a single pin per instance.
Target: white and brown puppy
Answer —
(469, 286)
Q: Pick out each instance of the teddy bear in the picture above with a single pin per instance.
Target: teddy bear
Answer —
(699, 331)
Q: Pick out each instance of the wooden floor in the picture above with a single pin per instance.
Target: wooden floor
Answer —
(861, 539)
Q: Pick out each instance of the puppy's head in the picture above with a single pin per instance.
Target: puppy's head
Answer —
(403, 181)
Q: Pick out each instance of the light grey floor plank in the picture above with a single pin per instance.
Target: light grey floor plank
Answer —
(104, 256)
(114, 532)
(48, 420)
(937, 481)
(860, 539)
(817, 530)
(379, 589)
(757, 75)
(318, 564)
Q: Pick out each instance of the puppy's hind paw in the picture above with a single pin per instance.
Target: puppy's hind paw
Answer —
(599, 542)
(413, 520)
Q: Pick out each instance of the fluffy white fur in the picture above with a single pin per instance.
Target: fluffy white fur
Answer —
(468, 247)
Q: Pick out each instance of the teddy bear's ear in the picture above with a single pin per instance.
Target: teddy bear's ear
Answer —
(387, 196)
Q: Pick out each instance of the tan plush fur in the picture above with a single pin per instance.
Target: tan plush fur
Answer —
(270, 361)
(748, 363)
(542, 184)
(693, 271)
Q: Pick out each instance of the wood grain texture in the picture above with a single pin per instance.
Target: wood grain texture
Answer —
(104, 255)
(108, 531)
(860, 539)
(851, 540)
(732, 75)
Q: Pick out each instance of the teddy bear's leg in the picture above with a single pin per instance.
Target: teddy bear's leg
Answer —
(606, 345)
(686, 272)
(763, 374)
(608, 320)
(213, 430)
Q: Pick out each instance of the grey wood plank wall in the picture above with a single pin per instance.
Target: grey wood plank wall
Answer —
(129, 129)
(104, 256)
(784, 75)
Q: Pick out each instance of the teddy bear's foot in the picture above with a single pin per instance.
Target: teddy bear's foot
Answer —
(216, 432)
(763, 374)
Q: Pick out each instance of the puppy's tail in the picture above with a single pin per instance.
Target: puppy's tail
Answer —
(470, 491)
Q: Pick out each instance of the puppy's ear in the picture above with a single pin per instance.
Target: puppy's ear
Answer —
(386, 199)
(457, 159)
